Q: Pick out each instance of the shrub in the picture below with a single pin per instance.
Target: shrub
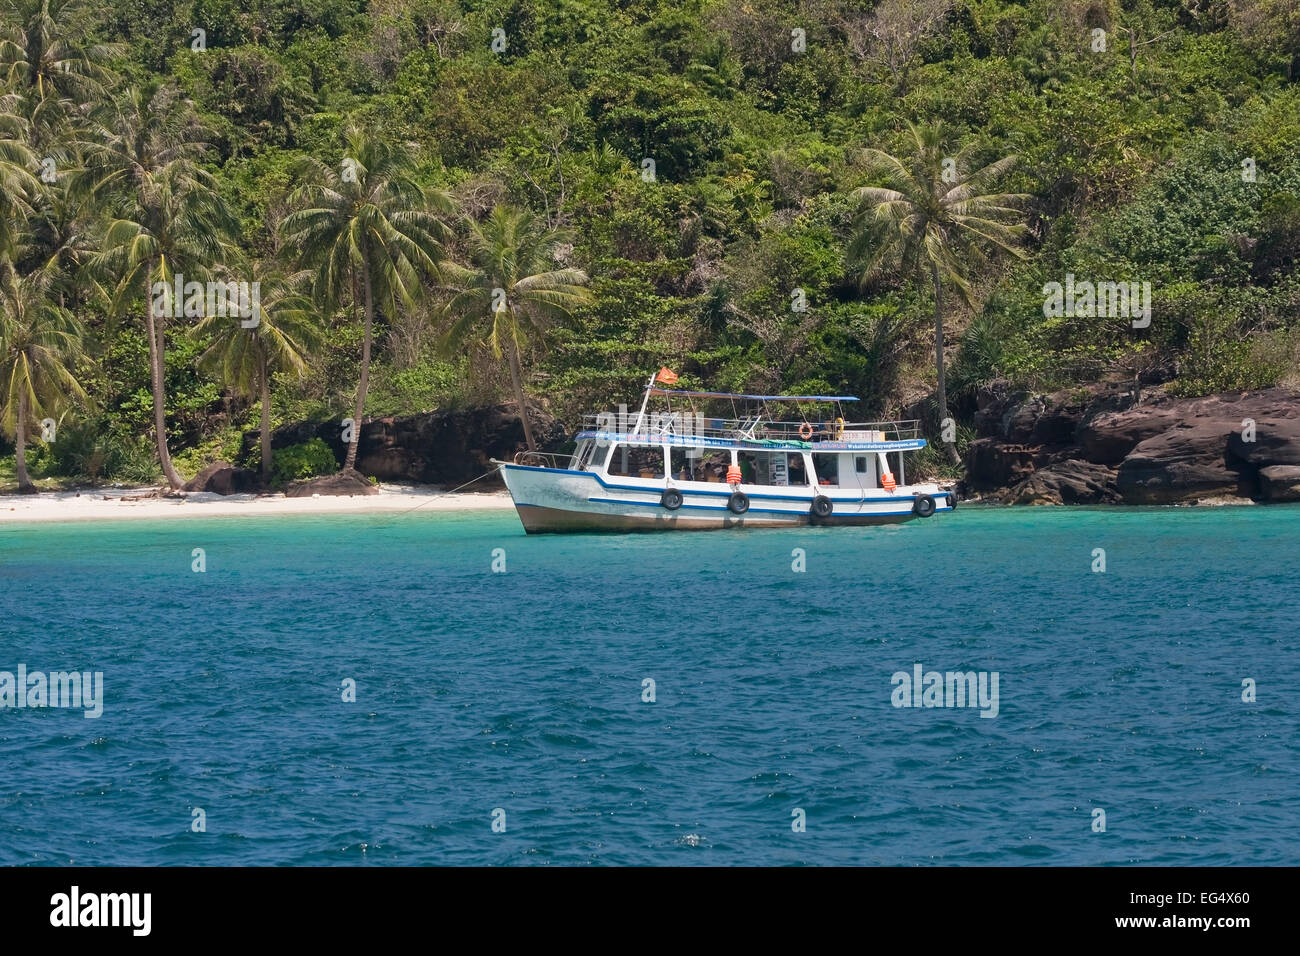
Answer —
(297, 462)
(87, 450)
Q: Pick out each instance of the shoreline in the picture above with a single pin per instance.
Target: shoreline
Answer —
(110, 504)
(148, 503)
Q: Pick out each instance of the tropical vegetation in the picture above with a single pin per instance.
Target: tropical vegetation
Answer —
(450, 203)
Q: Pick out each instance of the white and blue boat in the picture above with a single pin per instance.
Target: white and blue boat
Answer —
(680, 469)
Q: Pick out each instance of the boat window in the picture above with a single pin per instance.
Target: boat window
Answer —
(860, 464)
(597, 457)
(685, 464)
(794, 466)
(712, 466)
(828, 468)
(637, 461)
(769, 467)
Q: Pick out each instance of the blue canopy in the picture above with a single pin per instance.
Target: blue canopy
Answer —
(758, 398)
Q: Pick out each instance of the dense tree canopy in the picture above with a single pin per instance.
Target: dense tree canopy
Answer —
(700, 164)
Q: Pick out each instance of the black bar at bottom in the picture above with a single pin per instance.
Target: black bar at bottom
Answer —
(327, 905)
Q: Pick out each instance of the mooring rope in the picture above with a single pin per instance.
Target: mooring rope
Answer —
(442, 494)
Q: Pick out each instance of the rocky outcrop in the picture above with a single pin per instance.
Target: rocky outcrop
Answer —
(1275, 439)
(223, 478)
(1107, 438)
(1183, 464)
(1070, 482)
(347, 483)
(439, 448)
(1280, 483)
(1026, 451)
(992, 463)
(1105, 443)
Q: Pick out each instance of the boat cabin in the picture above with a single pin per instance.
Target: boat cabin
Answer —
(782, 466)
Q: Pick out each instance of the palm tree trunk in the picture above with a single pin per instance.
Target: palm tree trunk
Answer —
(516, 380)
(941, 391)
(25, 485)
(266, 423)
(154, 326)
(351, 461)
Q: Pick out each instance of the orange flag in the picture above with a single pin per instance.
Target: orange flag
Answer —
(667, 376)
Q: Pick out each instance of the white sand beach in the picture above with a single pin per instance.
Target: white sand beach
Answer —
(118, 503)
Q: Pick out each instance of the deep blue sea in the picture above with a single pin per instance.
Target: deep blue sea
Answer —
(516, 697)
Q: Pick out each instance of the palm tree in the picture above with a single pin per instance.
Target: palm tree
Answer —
(165, 216)
(47, 45)
(514, 289)
(932, 215)
(55, 70)
(40, 344)
(369, 232)
(245, 358)
(18, 187)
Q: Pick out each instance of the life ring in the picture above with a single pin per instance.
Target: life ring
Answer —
(805, 431)
(822, 507)
(923, 506)
(839, 428)
(738, 503)
(671, 499)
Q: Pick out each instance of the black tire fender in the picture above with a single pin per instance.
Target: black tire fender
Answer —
(923, 506)
(738, 503)
(671, 499)
(822, 507)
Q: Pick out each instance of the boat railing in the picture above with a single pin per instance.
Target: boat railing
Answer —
(545, 459)
(662, 424)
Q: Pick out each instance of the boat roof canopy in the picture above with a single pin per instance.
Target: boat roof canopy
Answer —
(650, 441)
(758, 398)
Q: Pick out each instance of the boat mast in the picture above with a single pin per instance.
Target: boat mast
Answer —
(645, 400)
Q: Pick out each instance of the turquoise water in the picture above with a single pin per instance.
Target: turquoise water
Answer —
(522, 692)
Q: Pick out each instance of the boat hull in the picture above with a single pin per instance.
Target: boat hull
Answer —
(554, 500)
(542, 520)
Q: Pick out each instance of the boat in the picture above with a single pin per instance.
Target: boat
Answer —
(764, 467)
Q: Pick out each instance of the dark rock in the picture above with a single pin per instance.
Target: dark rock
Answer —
(996, 405)
(1276, 441)
(200, 481)
(1108, 437)
(1280, 483)
(1163, 450)
(990, 464)
(1060, 418)
(222, 478)
(1018, 421)
(1187, 462)
(441, 448)
(1023, 418)
(1071, 482)
(450, 448)
(347, 482)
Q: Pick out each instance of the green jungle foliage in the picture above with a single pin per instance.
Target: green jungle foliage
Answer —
(680, 173)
